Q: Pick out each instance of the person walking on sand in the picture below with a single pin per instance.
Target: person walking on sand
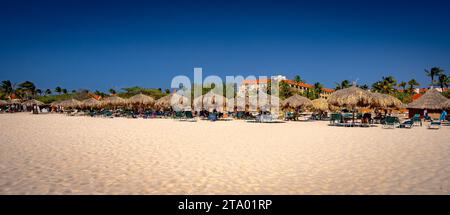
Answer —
(443, 116)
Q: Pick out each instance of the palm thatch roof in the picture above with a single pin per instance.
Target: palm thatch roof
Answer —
(176, 101)
(210, 101)
(446, 105)
(141, 99)
(14, 101)
(296, 101)
(69, 103)
(385, 101)
(350, 97)
(91, 102)
(320, 104)
(32, 102)
(3, 102)
(114, 100)
(432, 100)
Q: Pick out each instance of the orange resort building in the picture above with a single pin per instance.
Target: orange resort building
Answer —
(254, 85)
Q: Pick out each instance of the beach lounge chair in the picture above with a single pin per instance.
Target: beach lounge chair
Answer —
(289, 116)
(390, 122)
(213, 117)
(435, 124)
(189, 117)
(407, 124)
(416, 120)
(336, 119)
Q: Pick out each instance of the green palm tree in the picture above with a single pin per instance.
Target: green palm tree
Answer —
(64, 91)
(402, 85)
(48, 92)
(434, 72)
(298, 79)
(112, 91)
(443, 80)
(386, 85)
(39, 92)
(344, 84)
(58, 90)
(412, 83)
(7, 87)
(28, 88)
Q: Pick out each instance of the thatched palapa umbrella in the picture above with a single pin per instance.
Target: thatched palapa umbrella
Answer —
(431, 100)
(351, 97)
(297, 102)
(14, 101)
(175, 101)
(3, 102)
(32, 102)
(91, 103)
(70, 103)
(446, 105)
(320, 104)
(141, 99)
(210, 101)
(385, 101)
(114, 101)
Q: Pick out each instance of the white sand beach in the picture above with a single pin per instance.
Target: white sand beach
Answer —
(57, 154)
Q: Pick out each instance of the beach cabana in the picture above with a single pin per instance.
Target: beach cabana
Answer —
(210, 101)
(351, 98)
(141, 99)
(69, 103)
(320, 105)
(175, 101)
(14, 101)
(297, 102)
(91, 103)
(432, 101)
(114, 101)
(446, 105)
(385, 101)
(32, 102)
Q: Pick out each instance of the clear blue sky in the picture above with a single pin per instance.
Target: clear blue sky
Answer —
(103, 44)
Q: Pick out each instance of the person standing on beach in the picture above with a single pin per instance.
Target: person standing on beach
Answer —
(443, 116)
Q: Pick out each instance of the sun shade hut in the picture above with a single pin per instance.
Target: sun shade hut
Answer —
(385, 101)
(3, 102)
(70, 103)
(297, 102)
(91, 103)
(210, 101)
(114, 101)
(432, 101)
(446, 105)
(14, 101)
(352, 97)
(175, 101)
(320, 105)
(32, 102)
(141, 99)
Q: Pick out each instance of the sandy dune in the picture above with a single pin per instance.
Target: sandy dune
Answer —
(55, 154)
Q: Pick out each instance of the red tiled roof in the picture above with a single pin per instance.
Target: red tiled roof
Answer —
(328, 90)
(416, 96)
(300, 84)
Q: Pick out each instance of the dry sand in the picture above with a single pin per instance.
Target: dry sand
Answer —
(56, 154)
